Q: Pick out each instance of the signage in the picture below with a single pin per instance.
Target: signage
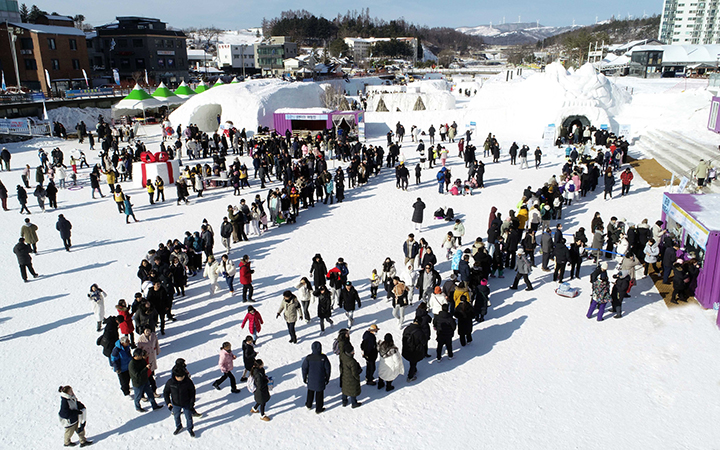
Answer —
(25, 127)
(306, 117)
(683, 184)
(549, 136)
(624, 131)
(166, 52)
(691, 226)
(76, 93)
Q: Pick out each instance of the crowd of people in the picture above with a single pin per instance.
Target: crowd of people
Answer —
(446, 305)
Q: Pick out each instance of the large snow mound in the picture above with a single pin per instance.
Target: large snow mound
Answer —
(251, 103)
(549, 97)
(72, 116)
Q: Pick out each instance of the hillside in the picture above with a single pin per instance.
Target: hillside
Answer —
(611, 31)
(515, 33)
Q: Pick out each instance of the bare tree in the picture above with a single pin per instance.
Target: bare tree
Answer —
(333, 97)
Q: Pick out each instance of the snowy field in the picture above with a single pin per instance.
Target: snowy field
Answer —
(537, 375)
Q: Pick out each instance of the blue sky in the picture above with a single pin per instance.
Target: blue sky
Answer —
(249, 13)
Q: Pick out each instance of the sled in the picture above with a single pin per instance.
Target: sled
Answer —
(565, 290)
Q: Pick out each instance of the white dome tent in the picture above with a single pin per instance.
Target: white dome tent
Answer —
(246, 104)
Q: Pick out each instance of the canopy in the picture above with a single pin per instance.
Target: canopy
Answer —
(167, 96)
(234, 81)
(219, 82)
(137, 100)
(184, 91)
(202, 87)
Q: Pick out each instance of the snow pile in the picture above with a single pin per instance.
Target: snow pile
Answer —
(250, 104)
(72, 116)
(541, 98)
(247, 36)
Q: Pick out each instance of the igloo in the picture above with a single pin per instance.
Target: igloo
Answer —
(246, 105)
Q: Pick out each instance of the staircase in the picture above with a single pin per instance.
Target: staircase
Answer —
(680, 155)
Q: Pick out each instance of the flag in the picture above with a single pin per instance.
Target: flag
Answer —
(86, 78)
(116, 76)
(112, 45)
(47, 78)
(45, 115)
(4, 87)
(147, 83)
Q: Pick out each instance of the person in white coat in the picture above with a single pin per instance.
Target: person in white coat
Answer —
(305, 296)
(651, 255)
(211, 273)
(226, 268)
(198, 184)
(390, 365)
(97, 298)
(437, 299)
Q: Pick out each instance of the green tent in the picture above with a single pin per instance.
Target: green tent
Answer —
(235, 81)
(167, 96)
(184, 91)
(137, 100)
(202, 87)
(219, 82)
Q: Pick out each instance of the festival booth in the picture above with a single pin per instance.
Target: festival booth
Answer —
(301, 120)
(695, 223)
(152, 165)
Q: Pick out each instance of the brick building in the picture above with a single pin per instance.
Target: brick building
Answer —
(53, 44)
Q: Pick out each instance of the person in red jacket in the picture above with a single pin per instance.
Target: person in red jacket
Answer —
(126, 326)
(246, 278)
(254, 321)
(626, 177)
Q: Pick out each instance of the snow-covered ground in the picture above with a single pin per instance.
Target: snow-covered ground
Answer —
(537, 375)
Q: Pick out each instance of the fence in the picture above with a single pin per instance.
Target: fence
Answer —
(24, 127)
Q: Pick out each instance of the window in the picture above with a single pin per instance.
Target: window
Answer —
(170, 43)
(161, 63)
(122, 42)
(30, 64)
(76, 64)
(89, 43)
(137, 43)
(51, 43)
(160, 43)
(73, 44)
(140, 63)
(55, 63)
(26, 43)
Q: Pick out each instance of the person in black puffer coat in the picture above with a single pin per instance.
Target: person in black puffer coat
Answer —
(424, 320)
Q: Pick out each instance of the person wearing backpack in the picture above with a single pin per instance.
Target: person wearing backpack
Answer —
(258, 385)
(465, 315)
(444, 325)
(316, 372)
(413, 347)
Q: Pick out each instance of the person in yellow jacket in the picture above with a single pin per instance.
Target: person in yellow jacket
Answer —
(160, 188)
(110, 176)
(522, 216)
(150, 190)
(460, 292)
(119, 199)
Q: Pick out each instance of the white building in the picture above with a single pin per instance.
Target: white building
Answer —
(362, 47)
(236, 56)
(690, 22)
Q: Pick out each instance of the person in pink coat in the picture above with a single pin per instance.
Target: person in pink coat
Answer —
(254, 321)
(226, 367)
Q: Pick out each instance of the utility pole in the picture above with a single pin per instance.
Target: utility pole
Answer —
(12, 36)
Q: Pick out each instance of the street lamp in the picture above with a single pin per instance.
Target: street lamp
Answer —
(13, 33)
